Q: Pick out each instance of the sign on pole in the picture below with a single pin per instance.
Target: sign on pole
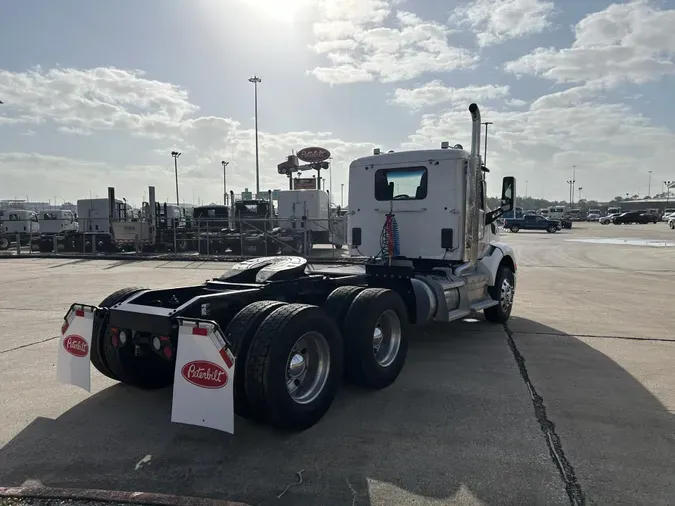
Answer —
(313, 154)
(304, 183)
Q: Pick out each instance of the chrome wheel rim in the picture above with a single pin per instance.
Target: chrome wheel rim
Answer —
(387, 338)
(307, 367)
(506, 295)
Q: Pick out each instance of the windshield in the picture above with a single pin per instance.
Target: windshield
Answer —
(401, 184)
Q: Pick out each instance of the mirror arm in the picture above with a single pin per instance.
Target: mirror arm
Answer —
(493, 216)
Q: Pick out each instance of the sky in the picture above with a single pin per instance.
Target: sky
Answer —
(98, 94)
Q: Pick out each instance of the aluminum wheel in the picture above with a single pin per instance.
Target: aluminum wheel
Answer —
(387, 338)
(308, 367)
(506, 298)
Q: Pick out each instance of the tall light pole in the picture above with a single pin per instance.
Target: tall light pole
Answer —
(486, 123)
(580, 188)
(224, 164)
(526, 183)
(342, 195)
(649, 188)
(569, 192)
(574, 180)
(255, 80)
(175, 155)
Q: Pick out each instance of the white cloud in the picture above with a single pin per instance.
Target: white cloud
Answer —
(94, 99)
(609, 143)
(625, 43)
(360, 49)
(495, 21)
(435, 92)
(113, 103)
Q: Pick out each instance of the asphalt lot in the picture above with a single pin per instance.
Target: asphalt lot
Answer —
(572, 401)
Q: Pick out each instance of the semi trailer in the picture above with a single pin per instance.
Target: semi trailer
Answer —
(272, 338)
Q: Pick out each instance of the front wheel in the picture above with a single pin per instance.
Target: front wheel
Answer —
(672, 225)
(502, 291)
(552, 229)
(4, 243)
(515, 229)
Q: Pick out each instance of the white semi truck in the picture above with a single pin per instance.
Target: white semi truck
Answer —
(18, 224)
(311, 210)
(271, 338)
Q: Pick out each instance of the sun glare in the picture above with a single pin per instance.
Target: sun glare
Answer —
(284, 11)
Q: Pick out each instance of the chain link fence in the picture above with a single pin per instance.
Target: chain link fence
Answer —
(232, 238)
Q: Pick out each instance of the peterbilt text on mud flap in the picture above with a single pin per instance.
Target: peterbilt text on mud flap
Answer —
(272, 339)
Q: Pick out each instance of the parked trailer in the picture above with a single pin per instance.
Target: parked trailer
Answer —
(271, 338)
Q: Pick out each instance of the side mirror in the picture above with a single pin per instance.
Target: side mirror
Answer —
(508, 193)
(508, 200)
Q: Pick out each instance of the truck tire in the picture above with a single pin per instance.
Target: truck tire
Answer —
(376, 338)
(514, 229)
(295, 341)
(502, 291)
(100, 328)
(338, 302)
(552, 229)
(148, 372)
(239, 333)
(4, 243)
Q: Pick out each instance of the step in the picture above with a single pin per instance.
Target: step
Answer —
(483, 304)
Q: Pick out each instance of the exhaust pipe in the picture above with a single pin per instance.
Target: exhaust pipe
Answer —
(471, 212)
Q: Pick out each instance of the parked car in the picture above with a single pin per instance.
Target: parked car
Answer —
(593, 217)
(634, 217)
(667, 214)
(606, 220)
(531, 222)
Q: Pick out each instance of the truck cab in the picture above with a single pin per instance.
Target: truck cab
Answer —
(57, 221)
(428, 207)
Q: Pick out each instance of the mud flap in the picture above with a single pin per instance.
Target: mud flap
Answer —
(203, 391)
(73, 363)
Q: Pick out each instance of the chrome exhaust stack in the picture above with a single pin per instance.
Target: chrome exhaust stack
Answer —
(471, 212)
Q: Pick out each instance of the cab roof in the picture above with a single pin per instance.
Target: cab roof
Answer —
(416, 156)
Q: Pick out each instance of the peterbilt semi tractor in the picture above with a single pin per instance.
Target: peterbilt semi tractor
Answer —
(272, 338)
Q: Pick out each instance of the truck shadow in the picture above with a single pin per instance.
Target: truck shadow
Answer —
(458, 426)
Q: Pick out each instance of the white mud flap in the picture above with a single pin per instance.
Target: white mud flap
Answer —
(203, 391)
(73, 364)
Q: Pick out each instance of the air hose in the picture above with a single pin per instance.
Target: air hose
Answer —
(389, 238)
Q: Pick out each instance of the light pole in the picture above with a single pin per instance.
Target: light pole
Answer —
(342, 195)
(526, 183)
(224, 164)
(255, 80)
(574, 180)
(486, 123)
(580, 188)
(569, 192)
(175, 155)
(649, 188)
(669, 185)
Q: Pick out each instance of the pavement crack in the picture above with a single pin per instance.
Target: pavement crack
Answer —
(601, 336)
(2, 352)
(553, 441)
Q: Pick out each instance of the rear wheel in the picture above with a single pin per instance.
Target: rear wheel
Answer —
(338, 302)
(294, 366)
(552, 229)
(100, 328)
(515, 229)
(4, 243)
(502, 291)
(240, 333)
(376, 341)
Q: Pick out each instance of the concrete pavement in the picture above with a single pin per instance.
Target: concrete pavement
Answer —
(571, 403)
